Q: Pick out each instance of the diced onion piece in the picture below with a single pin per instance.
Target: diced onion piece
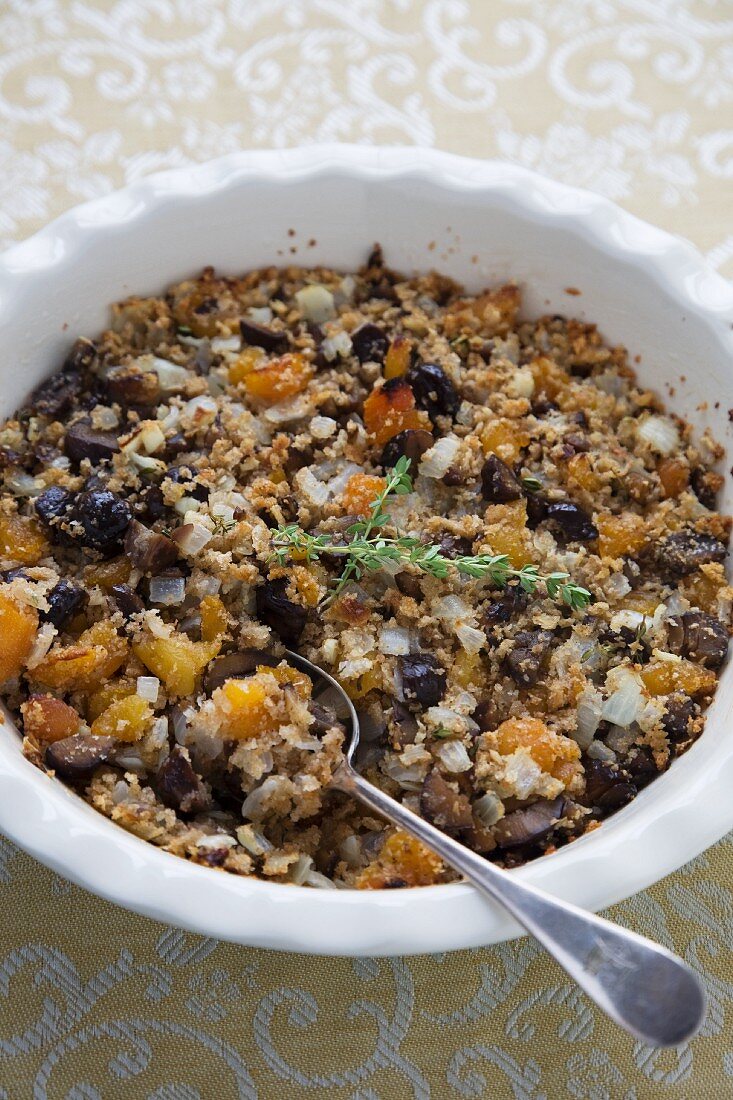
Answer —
(440, 457)
(337, 344)
(226, 343)
(148, 688)
(300, 870)
(521, 383)
(171, 377)
(255, 842)
(454, 757)
(167, 591)
(660, 433)
(598, 751)
(394, 640)
(293, 408)
(323, 427)
(191, 537)
(187, 504)
(452, 608)
(152, 437)
(261, 315)
(488, 809)
(314, 489)
(625, 700)
(319, 881)
(145, 462)
(24, 485)
(590, 709)
(255, 804)
(471, 638)
(218, 840)
(316, 303)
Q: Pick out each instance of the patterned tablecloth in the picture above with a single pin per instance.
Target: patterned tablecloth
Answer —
(632, 98)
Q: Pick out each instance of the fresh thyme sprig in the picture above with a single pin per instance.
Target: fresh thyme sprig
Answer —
(368, 550)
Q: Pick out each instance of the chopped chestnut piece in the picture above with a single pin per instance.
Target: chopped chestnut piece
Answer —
(76, 758)
(260, 336)
(83, 441)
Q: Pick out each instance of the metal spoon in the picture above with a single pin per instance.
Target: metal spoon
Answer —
(642, 986)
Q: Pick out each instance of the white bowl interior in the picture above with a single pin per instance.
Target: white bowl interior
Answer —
(481, 224)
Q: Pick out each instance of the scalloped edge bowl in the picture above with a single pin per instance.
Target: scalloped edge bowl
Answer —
(480, 222)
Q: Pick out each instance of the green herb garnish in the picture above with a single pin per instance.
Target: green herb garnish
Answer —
(368, 550)
(531, 484)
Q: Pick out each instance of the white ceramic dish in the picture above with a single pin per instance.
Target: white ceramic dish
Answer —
(479, 222)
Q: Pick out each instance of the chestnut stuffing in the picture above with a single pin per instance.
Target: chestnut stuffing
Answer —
(501, 545)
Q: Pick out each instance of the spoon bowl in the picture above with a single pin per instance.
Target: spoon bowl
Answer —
(642, 986)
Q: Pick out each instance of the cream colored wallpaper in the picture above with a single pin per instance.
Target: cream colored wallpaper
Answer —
(631, 98)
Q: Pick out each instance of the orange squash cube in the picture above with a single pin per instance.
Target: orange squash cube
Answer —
(277, 379)
(214, 618)
(504, 438)
(22, 540)
(46, 718)
(245, 363)
(549, 377)
(582, 474)
(255, 705)
(18, 627)
(674, 474)
(127, 719)
(364, 683)
(391, 410)
(96, 656)
(398, 357)
(507, 532)
(361, 490)
(177, 661)
(663, 677)
(105, 574)
(403, 859)
(620, 535)
(550, 751)
(108, 693)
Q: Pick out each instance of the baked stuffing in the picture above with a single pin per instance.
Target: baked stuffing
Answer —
(531, 635)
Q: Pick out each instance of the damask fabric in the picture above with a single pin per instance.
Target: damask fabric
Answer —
(632, 98)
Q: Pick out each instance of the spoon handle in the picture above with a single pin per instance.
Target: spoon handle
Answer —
(642, 986)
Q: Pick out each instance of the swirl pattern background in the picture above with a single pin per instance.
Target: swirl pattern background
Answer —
(632, 98)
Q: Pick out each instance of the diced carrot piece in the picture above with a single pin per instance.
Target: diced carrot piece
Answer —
(550, 751)
(663, 677)
(391, 410)
(360, 491)
(18, 626)
(127, 719)
(46, 718)
(22, 540)
(277, 379)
